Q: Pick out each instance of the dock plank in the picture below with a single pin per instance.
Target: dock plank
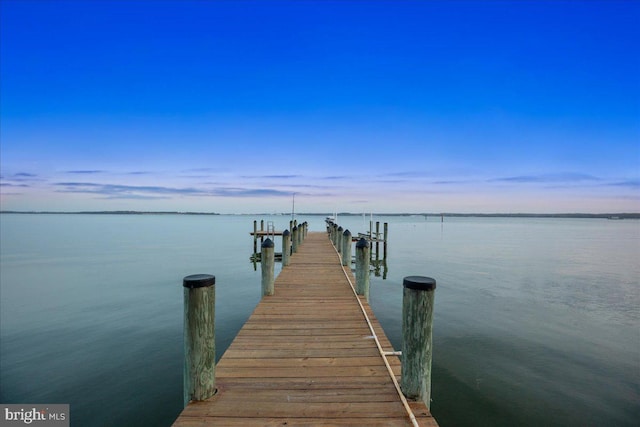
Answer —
(307, 357)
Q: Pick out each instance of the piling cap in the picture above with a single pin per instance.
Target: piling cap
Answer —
(199, 281)
(340, 228)
(285, 233)
(267, 243)
(362, 243)
(346, 232)
(419, 283)
(295, 228)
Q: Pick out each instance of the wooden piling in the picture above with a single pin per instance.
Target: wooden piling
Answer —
(386, 234)
(346, 248)
(267, 262)
(286, 247)
(417, 325)
(294, 240)
(199, 337)
(339, 239)
(255, 236)
(362, 268)
(371, 236)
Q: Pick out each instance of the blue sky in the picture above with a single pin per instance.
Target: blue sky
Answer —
(398, 106)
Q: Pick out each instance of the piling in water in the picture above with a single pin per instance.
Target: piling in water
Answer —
(362, 268)
(199, 337)
(417, 325)
(255, 236)
(386, 234)
(267, 262)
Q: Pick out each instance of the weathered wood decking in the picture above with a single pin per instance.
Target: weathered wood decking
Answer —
(306, 356)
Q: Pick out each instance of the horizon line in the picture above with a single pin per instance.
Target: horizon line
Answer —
(621, 215)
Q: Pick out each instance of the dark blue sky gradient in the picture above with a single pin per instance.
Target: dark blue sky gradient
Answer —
(356, 105)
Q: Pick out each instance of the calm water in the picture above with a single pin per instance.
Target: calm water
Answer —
(537, 320)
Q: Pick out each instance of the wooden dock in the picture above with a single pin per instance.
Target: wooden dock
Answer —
(307, 356)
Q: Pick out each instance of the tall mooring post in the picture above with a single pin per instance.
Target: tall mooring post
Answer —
(294, 240)
(267, 261)
(199, 337)
(386, 234)
(255, 236)
(417, 326)
(339, 239)
(346, 248)
(362, 268)
(286, 247)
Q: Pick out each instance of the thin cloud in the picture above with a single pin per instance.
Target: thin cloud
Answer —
(250, 192)
(280, 176)
(451, 182)
(85, 172)
(336, 177)
(9, 184)
(547, 178)
(123, 191)
(118, 191)
(24, 175)
(632, 183)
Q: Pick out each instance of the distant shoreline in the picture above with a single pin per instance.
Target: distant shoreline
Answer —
(613, 216)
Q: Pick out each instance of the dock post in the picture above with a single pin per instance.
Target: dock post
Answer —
(261, 229)
(417, 324)
(255, 236)
(362, 268)
(300, 234)
(377, 238)
(339, 239)
(267, 264)
(294, 240)
(386, 234)
(306, 228)
(346, 248)
(199, 337)
(286, 247)
(371, 236)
